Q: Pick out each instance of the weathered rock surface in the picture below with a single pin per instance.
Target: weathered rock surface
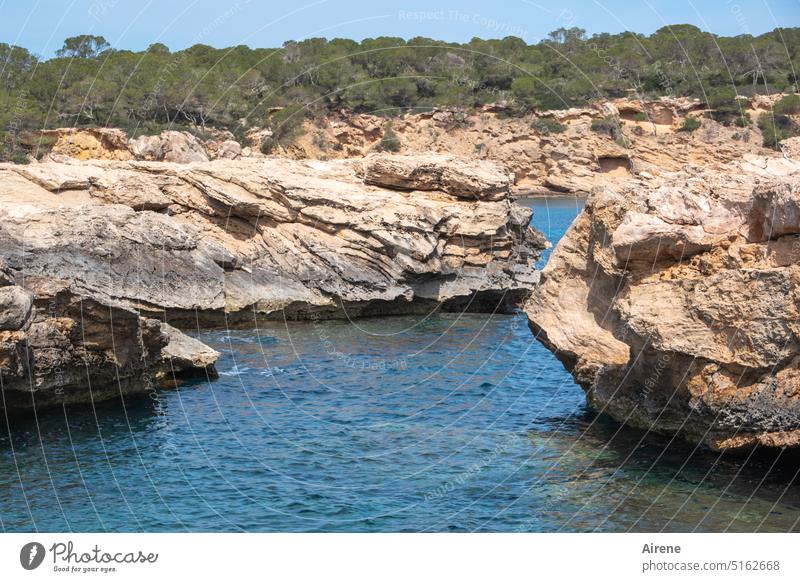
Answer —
(59, 346)
(675, 304)
(170, 146)
(102, 143)
(222, 243)
(458, 177)
(545, 157)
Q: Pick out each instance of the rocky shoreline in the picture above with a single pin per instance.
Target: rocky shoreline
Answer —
(101, 258)
(673, 298)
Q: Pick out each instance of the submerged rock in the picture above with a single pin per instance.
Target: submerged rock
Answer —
(226, 242)
(674, 303)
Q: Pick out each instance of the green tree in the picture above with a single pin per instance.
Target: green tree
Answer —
(84, 46)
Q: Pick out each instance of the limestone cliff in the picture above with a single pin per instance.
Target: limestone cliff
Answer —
(674, 302)
(100, 256)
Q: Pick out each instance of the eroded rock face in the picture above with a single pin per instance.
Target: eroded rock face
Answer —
(458, 177)
(549, 152)
(675, 303)
(224, 242)
(59, 346)
(89, 143)
(276, 237)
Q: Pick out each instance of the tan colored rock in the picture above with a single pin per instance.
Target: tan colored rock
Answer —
(776, 210)
(455, 176)
(182, 148)
(229, 150)
(66, 340)
(147, 147)
(791, 147)
(675, 302)
(170, 146)
(89, 143)
(572, 161)
(232, 241)
(184, 353)
(765, 102)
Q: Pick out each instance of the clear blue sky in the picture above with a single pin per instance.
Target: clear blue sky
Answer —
(42, 25)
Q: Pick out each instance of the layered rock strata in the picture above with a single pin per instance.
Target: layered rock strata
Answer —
(122, 249)
(675, 304)
(59, 346)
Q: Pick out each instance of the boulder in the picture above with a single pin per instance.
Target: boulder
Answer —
(455, 176)
(73, 348)
(15, 308)
(791, 147)
(229, 150)
(185, 353)
(180, 147)
(776, 210)
(675, 304)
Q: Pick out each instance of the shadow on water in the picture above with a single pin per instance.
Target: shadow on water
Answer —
(77, 423)
(626, 479)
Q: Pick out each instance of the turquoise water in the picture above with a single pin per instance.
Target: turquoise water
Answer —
(439, 423)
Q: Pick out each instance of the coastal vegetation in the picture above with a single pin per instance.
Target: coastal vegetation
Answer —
(547, 125)
(90, 83)
(690, 124)
(778, 126)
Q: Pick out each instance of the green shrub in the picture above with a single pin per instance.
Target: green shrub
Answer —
(548, 125)
(20, 158)
(337, 146)
(216, 88)
(611, 127)
(789, 105)
(690, 124)
(608, 125)
(239, 132)
(743, 120)
(287, 124)
(268, 145)
(639, 116)
(389, 142)
(726, 108)
(776, 128)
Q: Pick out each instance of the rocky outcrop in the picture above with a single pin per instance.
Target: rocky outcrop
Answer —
(549, 152)
(275, 236)
(674, 303)
(102, 143)
(474, 179)
(137, 245)
(60, 346)
(170, 146)
(228, 149)
(791, 147)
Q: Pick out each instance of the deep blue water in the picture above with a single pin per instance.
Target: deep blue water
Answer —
(438, 423)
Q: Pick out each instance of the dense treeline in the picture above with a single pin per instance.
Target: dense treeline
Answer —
(89, 83)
